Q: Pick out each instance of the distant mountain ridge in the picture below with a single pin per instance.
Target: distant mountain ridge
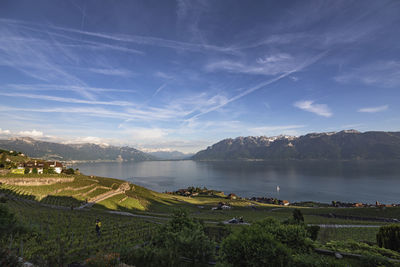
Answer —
(73, 152)
(344, 145)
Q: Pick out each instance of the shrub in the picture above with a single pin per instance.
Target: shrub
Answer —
(250, 247)
(69, 171)
(265, 243)
(389, 237)
(351, 246)
(293, 236)
(313, 231)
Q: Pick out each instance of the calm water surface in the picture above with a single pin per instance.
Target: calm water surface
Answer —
(298, 181)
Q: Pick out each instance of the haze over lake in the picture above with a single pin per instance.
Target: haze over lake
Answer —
(298, 181)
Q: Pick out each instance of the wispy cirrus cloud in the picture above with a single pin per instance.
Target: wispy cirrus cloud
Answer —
(136, 39)
(286, 73)
(58, 87)
(67, 100)
(112, 72)
(374, 109)
(272, 64)
(381, 73)
(310, 106)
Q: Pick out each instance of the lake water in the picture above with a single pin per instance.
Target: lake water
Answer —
(298, 181)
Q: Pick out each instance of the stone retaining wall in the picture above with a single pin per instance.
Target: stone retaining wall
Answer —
(35, 181)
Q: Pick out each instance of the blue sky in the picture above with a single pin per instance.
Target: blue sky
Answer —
(181, 75)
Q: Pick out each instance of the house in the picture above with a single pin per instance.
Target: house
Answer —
(232, 196)
(57, 166)
(32, 165)
(285, 203)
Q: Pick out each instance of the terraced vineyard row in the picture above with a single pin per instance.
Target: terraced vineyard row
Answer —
(63, 236)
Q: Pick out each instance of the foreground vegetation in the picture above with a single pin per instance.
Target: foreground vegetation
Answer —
(56, 226)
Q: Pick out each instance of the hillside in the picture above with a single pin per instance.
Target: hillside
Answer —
(344, 145)
(77, 152)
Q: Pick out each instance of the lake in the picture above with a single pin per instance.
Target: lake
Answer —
(298, 181)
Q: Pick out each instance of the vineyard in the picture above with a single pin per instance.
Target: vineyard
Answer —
(57, 236)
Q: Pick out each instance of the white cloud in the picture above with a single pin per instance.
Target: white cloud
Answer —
(319, 109)
(34, 133)
(88, 139)
(374, 109)
(275, 130)
(5, 132)
(140, 134)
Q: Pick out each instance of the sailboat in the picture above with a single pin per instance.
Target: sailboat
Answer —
(278, 188)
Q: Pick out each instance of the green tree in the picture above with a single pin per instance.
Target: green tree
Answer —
(389, 237)
(34, 171)
(265, 243)
(70, 171)
(26, 170)
(250, 247)
(298, 216)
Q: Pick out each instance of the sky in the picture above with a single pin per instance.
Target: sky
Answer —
(182, 75)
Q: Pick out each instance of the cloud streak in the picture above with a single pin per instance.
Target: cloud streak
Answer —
(288, 72)
(374, 109)
(67, 100)
(319, 109)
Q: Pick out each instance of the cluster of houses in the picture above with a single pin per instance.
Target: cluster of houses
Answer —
(36, 166)
(270, 200)
(361, 205)
(195, 191)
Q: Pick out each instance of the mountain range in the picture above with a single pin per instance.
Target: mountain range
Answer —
(344, 145)
(77, 152)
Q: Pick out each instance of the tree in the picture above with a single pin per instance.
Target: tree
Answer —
(34, 171)
(265, 243)
(27, 170)
(389, 237)
(70, 171)
(250, 247)
(298, 216)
